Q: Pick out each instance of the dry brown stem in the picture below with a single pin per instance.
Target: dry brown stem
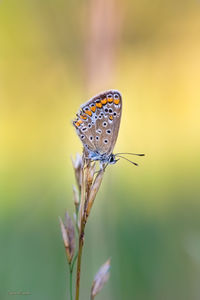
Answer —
(90, 184)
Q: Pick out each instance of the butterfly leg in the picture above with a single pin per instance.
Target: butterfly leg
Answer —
(103, 166)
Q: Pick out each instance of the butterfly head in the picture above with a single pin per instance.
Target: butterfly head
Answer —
(102, 158)
(112, 159)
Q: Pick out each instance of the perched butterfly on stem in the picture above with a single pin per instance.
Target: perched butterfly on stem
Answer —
(97, 125)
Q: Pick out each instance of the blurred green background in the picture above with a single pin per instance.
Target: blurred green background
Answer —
(54, 55)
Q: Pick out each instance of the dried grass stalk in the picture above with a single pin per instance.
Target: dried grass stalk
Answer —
(68, 235)
(91, 181)
(100, 279)
(88, 183)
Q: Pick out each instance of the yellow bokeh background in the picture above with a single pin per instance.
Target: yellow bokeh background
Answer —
(145, 218)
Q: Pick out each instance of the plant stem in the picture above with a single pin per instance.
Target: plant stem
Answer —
(78, 273)
(74, 260)
(70, 283)
(71, 268)
(77, 229)
(81, 235)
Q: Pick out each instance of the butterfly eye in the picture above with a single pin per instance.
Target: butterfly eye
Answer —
(111, 159)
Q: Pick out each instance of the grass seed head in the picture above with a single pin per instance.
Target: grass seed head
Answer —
(100, 279)
(68, 235)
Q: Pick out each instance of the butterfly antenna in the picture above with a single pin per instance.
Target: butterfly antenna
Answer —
(128, 160)
(137, 154)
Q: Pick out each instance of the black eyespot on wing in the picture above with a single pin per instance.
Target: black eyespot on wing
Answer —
(104, 124)
(110, 110)
(97, 138)
(108, 131)
(116, 96)
(114, 114)
(91, 138)
(105, 141)
(106, 110)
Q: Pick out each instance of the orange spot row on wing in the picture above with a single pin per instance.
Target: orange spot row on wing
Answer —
(98, 104)
(104, 101)
(93, 108)
(77, 124)
(111, 117)
(110, 100)
(116, 101)
(88, 112)
(84, 117)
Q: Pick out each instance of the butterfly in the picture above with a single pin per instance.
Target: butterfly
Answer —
(97, 125)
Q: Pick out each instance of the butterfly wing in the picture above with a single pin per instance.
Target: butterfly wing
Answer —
(85, 128)
(108, 122)
(98, 122)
